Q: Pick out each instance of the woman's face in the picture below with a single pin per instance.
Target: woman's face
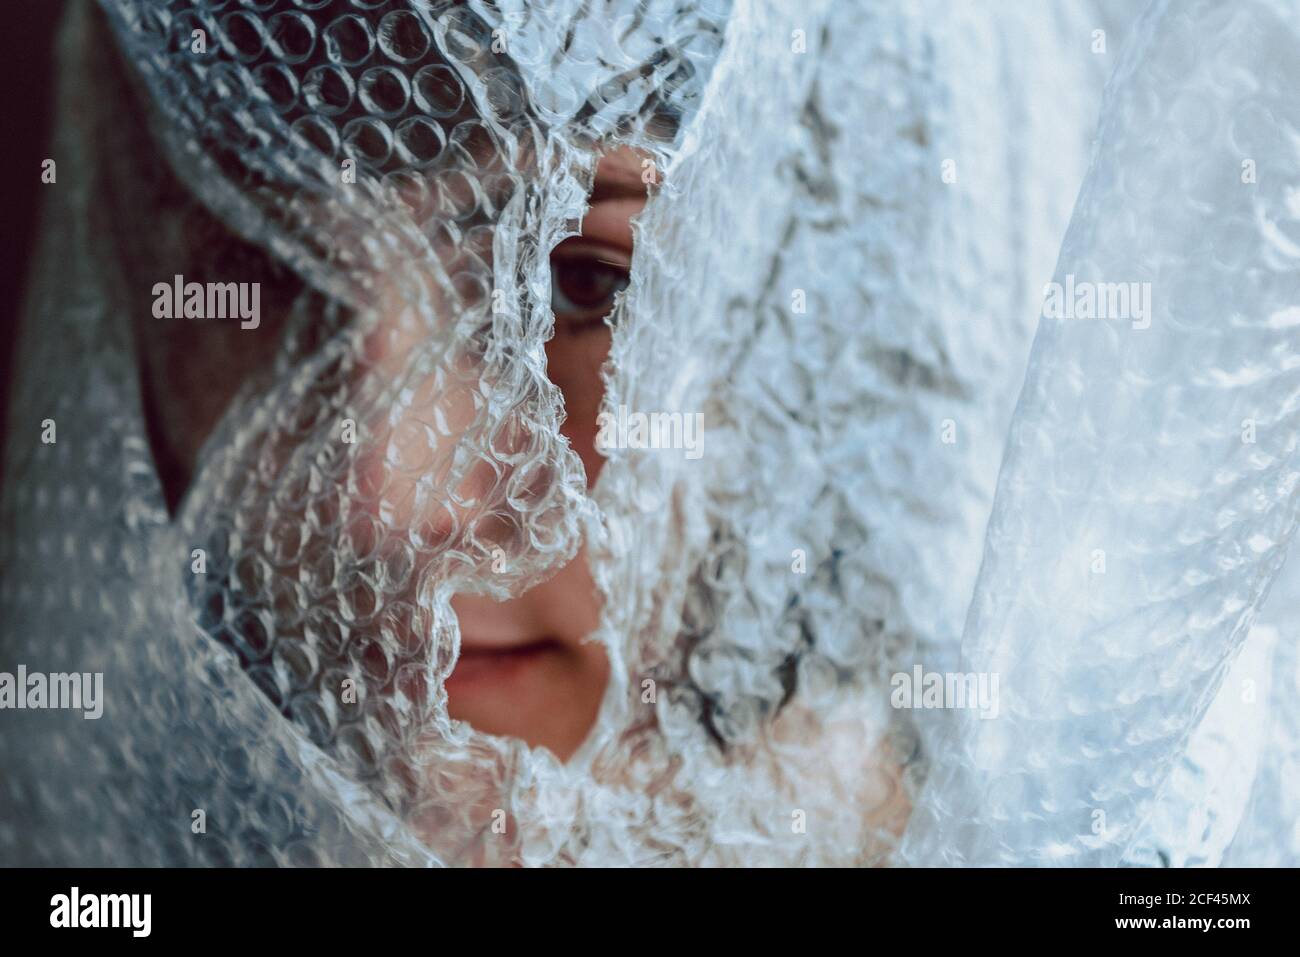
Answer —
(526, 669)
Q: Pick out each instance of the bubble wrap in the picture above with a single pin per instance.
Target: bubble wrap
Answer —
(906, 174)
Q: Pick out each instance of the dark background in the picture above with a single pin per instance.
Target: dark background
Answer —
(27, 79)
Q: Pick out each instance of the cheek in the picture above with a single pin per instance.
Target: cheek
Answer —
(574, 364)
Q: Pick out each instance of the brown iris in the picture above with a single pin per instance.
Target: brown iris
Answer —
(585, 279)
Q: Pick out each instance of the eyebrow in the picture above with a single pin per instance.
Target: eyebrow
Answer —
(624, 184)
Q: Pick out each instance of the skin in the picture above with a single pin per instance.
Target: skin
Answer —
(526, 669)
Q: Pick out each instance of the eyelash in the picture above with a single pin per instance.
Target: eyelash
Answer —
(586, 264)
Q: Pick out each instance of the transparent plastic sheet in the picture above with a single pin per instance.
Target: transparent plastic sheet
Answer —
(1132, 442)
(425, 304)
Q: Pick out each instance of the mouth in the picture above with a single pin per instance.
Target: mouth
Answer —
(481, 663)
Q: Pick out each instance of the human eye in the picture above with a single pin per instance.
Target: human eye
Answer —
(585, 280)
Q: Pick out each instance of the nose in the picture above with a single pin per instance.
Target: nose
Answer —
(416, 469)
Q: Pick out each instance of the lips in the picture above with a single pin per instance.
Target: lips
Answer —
(483, 662)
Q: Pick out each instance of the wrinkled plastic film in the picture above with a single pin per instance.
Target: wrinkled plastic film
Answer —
(812, 276)
(1115, 603)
